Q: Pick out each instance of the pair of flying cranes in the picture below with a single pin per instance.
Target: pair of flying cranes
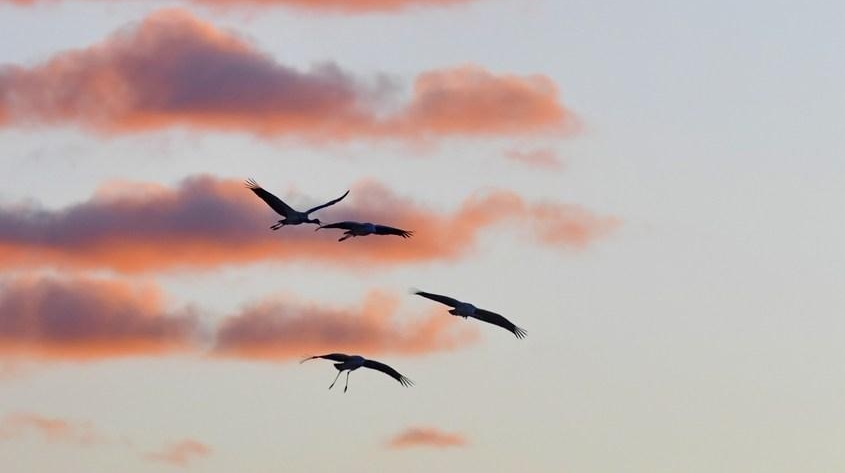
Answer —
(350, 363)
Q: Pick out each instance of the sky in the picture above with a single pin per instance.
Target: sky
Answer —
(654, 191)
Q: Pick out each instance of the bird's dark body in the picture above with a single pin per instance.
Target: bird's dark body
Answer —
(465, 310)
(350, 363)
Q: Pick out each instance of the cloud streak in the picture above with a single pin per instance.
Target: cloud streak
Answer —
(86, 319)
(341, 6)
(283, 329)
(174, 70)
(14, 426)
(543, 158)
(180, 453)
(206, 222)
(426, 437)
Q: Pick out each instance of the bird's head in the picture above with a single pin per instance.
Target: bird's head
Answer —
(315, 221)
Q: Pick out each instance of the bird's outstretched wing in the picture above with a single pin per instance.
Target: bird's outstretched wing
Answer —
(496, 319)
(437, 297)
(372, 364)
(331, 356)
(347, 225)
(385, 230)
(276, 203)
(331, 202)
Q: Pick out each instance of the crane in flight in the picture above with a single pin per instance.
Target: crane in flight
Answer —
(291, 216)
(350, 363)
(465, 309)
(356, 229)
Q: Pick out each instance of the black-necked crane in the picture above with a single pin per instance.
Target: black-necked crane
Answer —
(465, 309)
(356, 229)
(291, 216)
(350, 363)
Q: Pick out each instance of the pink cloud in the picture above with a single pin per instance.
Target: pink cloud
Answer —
(283, 330)
(14, 426)
(340, 6)
(206, 223)
(81, 318)
(180, 453)
(174, 70)
(426, 437)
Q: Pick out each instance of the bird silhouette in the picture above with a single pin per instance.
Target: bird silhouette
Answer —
(356, 229)
(350, 363)
(465, 309)
(292, 217)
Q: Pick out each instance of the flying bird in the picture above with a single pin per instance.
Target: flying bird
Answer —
(465, 309)
(292, 217)
(356, 229)
(350, 363)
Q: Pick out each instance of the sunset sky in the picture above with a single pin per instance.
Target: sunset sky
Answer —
(655, 191)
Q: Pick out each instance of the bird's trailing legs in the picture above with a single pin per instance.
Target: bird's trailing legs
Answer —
(278, 225)
(347, 381)
(338, 376)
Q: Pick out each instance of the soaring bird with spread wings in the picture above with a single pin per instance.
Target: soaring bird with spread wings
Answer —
(465, 309)
(356, 229)
(350, 363)
(292, 217)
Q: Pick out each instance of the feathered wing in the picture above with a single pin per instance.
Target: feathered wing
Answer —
(274, 202)
(388, 371)
(385, 230)
(331, 202)
(496, 319)
(437, 297)
(331, 356)
(342, 225)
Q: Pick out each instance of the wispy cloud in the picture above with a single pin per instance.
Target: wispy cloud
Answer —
(426, 437)
(174, 70)
(340, 6)
(180, 453)
(282, 329)
(87, 319)
(63, 431)
(543, 158)
(206, 222)
(51, 429)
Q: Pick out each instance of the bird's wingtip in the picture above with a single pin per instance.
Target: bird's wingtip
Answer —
(520, 332)
(307, 357)
(414, 290)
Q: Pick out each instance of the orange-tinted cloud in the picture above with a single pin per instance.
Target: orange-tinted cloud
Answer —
(543, 158)
(174, 70)
(87, 319)
(51, 429)
(426, 437)
(206, 222)
(280, 330)
(344, 6)
(180, 453)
